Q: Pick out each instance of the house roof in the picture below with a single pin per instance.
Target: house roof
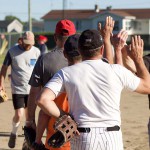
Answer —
(4, 24)
(83, 14)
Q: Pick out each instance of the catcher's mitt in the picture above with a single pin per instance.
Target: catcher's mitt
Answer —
(65, 128)
(30, 135)
(3, 96)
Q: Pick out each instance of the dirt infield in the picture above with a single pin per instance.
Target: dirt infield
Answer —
(134, 112)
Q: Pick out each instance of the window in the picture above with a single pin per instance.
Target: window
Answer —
(135, 24)
(139, 26)
(128, 25)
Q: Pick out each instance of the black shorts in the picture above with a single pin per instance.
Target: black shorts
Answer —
(19, 100)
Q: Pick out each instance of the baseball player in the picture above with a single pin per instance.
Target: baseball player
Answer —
(94, 89)
(22, 59)
(73, 57)
(42, 44)
(123, 58)
(45, 68)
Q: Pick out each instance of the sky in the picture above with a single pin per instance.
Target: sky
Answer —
(39, 8)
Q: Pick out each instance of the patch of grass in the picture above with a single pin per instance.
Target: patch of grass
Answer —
(2, 59)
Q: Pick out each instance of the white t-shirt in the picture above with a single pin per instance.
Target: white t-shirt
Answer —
(94, 88)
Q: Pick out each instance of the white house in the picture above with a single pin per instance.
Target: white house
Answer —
(135, 21)
(11, 26)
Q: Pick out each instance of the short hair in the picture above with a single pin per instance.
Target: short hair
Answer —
(61, 38)
(71, 48)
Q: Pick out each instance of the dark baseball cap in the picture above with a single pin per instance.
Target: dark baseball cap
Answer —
(71, 45)
(65, 28)
(90, 40)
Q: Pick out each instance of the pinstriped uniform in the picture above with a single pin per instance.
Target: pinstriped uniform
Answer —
(95, 101)
(98, 139)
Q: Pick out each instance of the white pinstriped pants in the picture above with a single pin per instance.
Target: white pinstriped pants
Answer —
(98, 139)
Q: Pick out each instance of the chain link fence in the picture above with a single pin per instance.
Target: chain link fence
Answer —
(12, 38)
(8, 40)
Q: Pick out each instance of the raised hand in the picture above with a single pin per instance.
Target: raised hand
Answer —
(136, 48)
(119, 40)
(106, 31)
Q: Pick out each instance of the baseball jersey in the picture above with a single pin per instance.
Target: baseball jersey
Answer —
(22, 63)
(94, 89)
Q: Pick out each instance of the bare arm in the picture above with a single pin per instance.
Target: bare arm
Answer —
(136, 54)
(31, 106)
(106, 33)
(127, 60)
(118, 42)
(46, 102)
(2, 76)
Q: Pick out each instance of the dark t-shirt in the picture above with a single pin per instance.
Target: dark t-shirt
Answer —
(43, 48)
(46, 66)
(147, 64)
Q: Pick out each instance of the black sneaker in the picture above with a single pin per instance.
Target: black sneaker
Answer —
(12, 140)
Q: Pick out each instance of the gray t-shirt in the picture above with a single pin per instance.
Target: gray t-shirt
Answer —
(46, 66)
(22, 63)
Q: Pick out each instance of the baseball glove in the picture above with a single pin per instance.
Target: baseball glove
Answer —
(30, 135)
(65, 128)
(3, 96)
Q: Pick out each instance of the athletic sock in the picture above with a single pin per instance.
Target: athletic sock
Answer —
(15, 127)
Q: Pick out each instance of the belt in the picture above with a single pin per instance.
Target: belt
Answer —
(87, 130)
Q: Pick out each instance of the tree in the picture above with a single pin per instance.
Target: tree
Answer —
(11, 18)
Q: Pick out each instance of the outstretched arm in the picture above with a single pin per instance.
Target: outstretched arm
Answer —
(118, 42)
(106, 33)
(136, 53)
(31, 106)
(127, 61)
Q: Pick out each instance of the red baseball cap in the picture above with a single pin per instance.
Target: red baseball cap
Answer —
(65, 28)
(42, 38)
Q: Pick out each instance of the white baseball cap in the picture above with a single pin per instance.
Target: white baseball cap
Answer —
(28, 38)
